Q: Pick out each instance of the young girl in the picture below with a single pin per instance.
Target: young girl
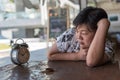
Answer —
(86, 41)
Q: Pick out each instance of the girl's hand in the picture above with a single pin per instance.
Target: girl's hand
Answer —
(83, 53)
(103, 23)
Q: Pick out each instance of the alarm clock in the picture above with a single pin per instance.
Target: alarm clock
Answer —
(20, 53)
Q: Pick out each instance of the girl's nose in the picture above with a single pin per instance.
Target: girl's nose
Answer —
(80, 37)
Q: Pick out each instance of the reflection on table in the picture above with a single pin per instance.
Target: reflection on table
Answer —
(59, 70)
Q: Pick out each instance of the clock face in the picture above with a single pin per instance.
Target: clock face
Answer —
(23, 55)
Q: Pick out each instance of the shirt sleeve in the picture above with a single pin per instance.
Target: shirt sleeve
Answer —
(64, 40)
(109, 50)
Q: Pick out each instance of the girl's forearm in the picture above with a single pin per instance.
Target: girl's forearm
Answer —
(66, 56)
(97, 47)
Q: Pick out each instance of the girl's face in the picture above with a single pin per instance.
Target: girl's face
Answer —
(84, 36)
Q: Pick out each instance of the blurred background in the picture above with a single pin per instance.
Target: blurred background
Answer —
(39, 22)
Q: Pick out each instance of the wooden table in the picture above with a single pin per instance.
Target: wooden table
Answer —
(63, 70)
(79, 71)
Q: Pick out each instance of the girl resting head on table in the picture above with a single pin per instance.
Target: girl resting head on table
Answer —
(86, 41)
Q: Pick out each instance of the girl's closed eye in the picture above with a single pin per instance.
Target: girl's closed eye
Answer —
(84, 32)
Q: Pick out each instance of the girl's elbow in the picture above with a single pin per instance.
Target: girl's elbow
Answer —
(91, 63)
(49, 56)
